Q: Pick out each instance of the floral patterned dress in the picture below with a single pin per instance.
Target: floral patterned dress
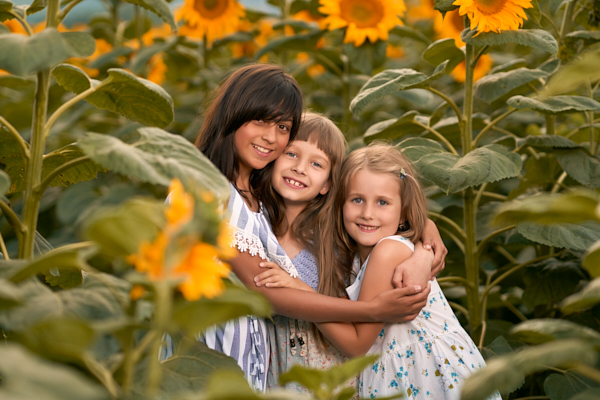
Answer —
(427, 358)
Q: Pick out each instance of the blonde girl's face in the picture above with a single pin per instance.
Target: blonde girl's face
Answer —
(372, 208)
(259, 142)
(301, 173)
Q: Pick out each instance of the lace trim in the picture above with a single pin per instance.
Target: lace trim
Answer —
(247, 242)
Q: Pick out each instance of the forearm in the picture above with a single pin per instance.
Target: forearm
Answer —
(345, 337)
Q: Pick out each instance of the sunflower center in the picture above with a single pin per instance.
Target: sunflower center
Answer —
(490, 7)
(211, 9)
(365, 14)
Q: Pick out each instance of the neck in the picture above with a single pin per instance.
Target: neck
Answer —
(363, 252)
(292, 210)
(243, 179)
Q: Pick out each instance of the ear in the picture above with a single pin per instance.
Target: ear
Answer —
(325, 189)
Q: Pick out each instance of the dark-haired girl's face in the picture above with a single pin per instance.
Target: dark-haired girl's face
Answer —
(259, 142)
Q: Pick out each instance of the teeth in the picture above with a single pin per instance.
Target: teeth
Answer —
(293, 182)
(261, 149)
(368, 228)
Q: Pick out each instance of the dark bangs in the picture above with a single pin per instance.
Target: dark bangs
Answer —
(270, 96)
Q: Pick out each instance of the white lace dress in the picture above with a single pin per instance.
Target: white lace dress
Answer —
(427, 358)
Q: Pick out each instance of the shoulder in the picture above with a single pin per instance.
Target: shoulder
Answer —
(391, 252)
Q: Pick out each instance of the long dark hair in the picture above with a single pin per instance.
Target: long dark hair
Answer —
(254, 92)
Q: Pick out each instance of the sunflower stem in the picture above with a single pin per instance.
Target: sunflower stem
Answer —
(478, 56)
(550, 124)
(590, 115)
(162, 311)
(31, 203)
(552, 24)
(469, 210)
(567, 19)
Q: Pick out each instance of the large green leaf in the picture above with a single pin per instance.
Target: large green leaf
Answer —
(589, 394)
(188, 370)
(158, 7)
(367, 56)
(507, 372)
(195, 317)
(120, 230)
(452, 173)
(157, 158)
(580, 166)
(572, 207)
(444, 6)
(444, 50)
(10, 295)
(6, 6)
(586, 298)
(93, 300)
(555, 104)
(542, 330)
(69, 257)
(568, 384)
(135, 98)
(591, 259)
(27, 376)
(509, 66)
(390, 81)
(23, 55)
(548, 142)
(37, 6)
(538, 173)
(492, 87)
(392, 128)
(224, 385)
(324, 382)
(550, 281)
(4, 182)
(497, 348)
(570, 77)
(563, 235)
(536, 38)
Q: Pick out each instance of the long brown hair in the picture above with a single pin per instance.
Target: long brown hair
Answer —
(314, 226)
(381, 158)
(254, 92)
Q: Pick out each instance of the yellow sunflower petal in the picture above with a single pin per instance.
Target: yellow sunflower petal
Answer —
(372, 19)
(494, 15)
(209, 19)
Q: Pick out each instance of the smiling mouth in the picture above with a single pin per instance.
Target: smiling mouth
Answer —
(367, 227)
(262, 149)
(294, 183)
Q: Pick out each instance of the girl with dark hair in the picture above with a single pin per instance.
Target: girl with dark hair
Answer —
(253, 116)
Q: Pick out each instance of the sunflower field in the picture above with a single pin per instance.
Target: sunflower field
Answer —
(495, 101)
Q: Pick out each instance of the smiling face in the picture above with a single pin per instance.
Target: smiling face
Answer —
(259, 142)
(301, 173)
(372, 209)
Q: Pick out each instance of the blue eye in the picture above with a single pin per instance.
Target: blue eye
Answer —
(357, 200)
(291, 154)
(316, 164)
(382, 203)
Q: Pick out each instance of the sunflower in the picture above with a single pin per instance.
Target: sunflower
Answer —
(494, 15)
(450, 26)
(372, 19)
(483, 66)
(392, 51)
(209, 19)
(423, 11)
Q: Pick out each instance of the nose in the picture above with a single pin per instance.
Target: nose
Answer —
(299, 167)
(269, 133)
(367, 211)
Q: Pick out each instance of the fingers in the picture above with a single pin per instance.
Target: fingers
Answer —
(268, 264)
(398, 277)
(261, 278)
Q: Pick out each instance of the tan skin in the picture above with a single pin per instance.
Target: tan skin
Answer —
(397, 305)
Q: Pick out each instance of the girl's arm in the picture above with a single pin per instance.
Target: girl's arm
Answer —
(275, 277)
(396, 305)
(356, 339)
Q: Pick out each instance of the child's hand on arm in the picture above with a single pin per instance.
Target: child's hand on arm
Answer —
(432, 240)
(275, 277)
(416, 270)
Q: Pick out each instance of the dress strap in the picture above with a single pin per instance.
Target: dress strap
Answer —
(401, 239)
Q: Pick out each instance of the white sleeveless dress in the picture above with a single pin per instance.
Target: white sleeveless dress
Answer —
(427, 358)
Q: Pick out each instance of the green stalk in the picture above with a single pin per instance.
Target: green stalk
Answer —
(33, 175)
(162, 311)
(3, 248)
(346, 91)
(550, 124)
(590, 115)
(469, 209)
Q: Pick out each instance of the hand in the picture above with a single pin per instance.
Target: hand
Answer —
(416, 270)
(399, 305)
(275, 277)
(432, 240)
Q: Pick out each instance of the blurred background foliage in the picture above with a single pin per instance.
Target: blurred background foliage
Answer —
(506, 143)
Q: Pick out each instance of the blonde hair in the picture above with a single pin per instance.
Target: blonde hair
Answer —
(315, 225)
(382, 158)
